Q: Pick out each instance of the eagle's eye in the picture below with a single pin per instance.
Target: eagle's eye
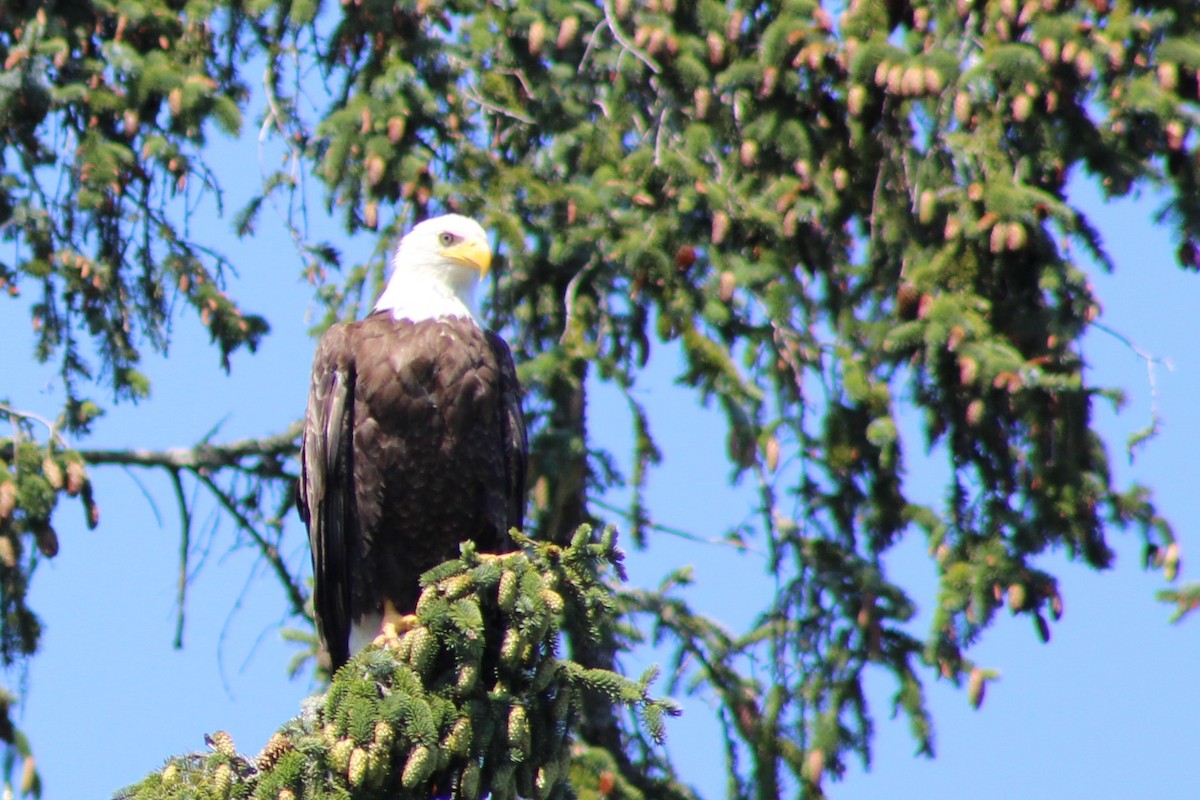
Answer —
(447, 238)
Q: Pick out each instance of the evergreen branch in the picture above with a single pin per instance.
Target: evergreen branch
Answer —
(1186, 600)
(472, 701)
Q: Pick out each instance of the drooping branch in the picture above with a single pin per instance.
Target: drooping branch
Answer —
(185, 546)
(259, 459)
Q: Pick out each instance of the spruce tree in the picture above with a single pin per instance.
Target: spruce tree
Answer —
(837, 213)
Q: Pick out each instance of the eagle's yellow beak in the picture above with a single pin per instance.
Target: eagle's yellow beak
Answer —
(473, 253)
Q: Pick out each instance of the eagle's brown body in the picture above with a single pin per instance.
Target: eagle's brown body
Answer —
(413, 443)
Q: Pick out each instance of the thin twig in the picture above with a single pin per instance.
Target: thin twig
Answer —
(1125, 340)
(587, 51)
(149, 497)
(741, 547)
(658, 137)
(497, 109)
(569, 297)
(1151, 376)
(185, 543)
(53, 429)
(269, 551)
(625, 43)
(225, 627)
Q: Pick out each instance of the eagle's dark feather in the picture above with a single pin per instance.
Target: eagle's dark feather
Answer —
(413, 442)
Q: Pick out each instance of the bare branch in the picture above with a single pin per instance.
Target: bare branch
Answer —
(1151, 360)
(16, 414)
(741, 547)
(207, 456)
(569, 298)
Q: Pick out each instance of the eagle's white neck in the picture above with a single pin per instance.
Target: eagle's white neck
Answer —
(428, 291)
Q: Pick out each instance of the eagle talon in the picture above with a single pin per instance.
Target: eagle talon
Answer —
(394, 628)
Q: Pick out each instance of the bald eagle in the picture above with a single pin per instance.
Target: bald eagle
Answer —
(413, 439)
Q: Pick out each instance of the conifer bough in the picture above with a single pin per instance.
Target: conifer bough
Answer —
(473, 701)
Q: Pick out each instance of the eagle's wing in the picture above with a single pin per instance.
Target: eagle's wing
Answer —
(516, 447)
(327, 487)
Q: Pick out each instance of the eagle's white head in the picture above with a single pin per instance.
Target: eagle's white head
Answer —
(436, 268)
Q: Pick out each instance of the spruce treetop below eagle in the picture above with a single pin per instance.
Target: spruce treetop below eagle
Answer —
(435, 269)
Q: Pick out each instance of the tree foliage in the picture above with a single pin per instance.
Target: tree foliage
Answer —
(473, 702)
(838, 214)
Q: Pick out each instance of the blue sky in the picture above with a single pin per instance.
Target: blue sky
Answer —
(1106, 709)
